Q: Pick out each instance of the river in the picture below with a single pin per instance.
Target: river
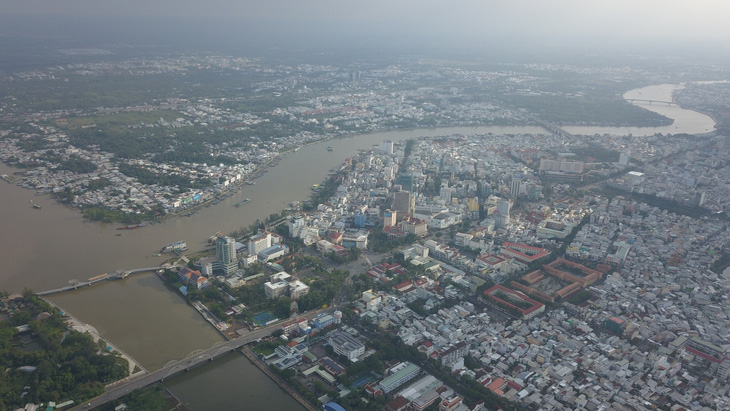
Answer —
(45, 248)
(685, 121)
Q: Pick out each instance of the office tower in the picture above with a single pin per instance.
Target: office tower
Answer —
(225, 250)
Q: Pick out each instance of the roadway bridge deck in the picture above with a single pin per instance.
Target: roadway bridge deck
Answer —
(95, 280)
(194, 359)
(669, 103)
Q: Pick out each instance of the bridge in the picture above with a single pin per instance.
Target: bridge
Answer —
(194, 359)
(74, 285)
(669, 103)
(552, 127)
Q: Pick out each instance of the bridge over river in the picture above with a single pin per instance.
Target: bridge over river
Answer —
(669, 103)
(196, 358)
(74, 285)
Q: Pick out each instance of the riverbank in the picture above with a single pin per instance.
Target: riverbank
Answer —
(253, 359)
(135, 368)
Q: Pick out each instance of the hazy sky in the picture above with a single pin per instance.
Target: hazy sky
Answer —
(613, 22)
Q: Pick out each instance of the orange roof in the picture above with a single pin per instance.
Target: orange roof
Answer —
(496, 386)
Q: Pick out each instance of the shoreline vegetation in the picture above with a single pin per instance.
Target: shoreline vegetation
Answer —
(140, 141)
(47, 360)
(108, 215)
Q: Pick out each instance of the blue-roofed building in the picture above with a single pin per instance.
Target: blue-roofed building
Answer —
(333, 406)
(323, 320)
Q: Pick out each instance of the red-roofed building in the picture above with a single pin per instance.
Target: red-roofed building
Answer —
(292, 325)
(416, 226)
(421, 282)
(192, 278)
(394, 232)
(403, 287)
(514, 385)
(339, 250)
(523, 253)
(497, 385)
(335, 237)
(373, 389)
(514, 301)
(450, 404)
(398, 404)
(453, 353)
(490, 261)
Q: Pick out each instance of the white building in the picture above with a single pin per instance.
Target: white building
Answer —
(259, 242)
(345, 344)
(274, 290)
(297, 289)
(516, 186)
(371, 300)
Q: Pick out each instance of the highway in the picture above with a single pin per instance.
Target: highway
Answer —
(194, 359)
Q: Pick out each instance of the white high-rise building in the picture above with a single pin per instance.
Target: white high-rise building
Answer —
(623, 159)
(259, 242)
(225, 250)
(502, 215)
(516, 185)
(445, 194)
(386, 147)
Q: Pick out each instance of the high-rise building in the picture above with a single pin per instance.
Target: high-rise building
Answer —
(502, 215)
(473, 204)
(389, 218)
(516, 185)
(486, 190)
(386, 147)
(445, 194)
(503, 206)
(225, 250)
(404, 202)
(406, 181)
(259, 242)
(623, 159)
(701, 198)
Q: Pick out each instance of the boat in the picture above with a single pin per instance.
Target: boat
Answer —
(177, 246)
(142, 225)
(242, 202)
(124, 227)
(330, 148)
(36, 206)
(296, 149)
(132, 227)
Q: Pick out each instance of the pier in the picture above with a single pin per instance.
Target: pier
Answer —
(119, 275)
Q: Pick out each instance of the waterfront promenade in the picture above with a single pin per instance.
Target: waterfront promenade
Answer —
(266, 370)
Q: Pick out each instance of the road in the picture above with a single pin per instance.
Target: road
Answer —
(193, 360)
